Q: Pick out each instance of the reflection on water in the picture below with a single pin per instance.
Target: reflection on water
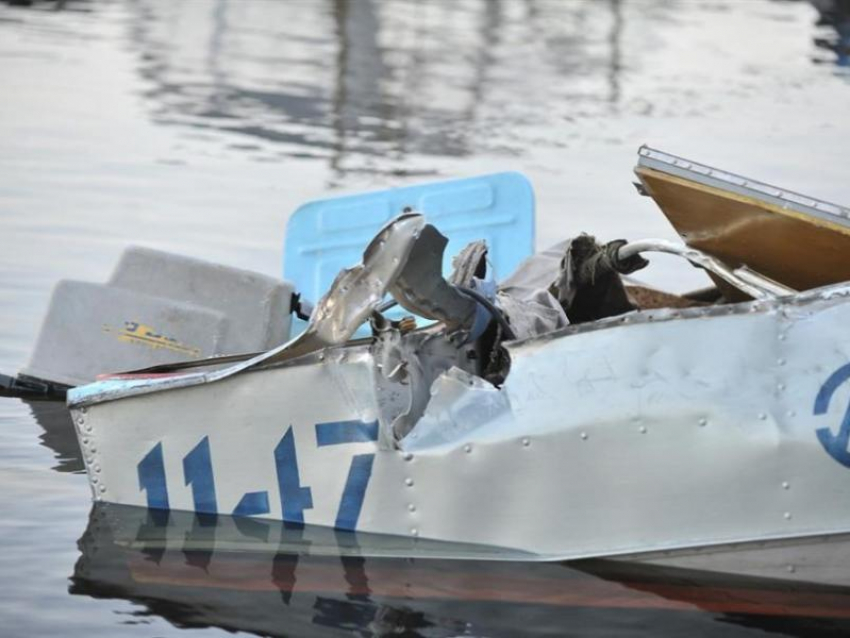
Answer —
(58, 435)
(835, 16)
(264, 578)
(363, 84)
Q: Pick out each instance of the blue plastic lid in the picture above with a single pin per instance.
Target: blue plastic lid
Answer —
(327, 235)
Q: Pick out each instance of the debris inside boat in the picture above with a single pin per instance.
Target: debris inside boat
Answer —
(562, 411)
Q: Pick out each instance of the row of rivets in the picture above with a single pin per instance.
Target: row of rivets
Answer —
(411, 507)
(84, 426)
(731, 178)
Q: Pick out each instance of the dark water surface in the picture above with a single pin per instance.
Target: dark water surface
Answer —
(198, 126)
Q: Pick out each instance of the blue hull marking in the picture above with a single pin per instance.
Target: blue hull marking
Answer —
(253, 504)
(337, 432)
(354, 492)
(197, 472)
(834, 444)
(294, 498)
(151, 471)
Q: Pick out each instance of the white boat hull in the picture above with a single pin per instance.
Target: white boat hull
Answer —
(653, 431)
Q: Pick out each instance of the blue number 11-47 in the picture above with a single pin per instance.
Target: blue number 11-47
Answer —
(294, 497)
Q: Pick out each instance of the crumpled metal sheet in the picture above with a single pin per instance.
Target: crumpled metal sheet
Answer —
(459, 404)
(420, 287)
(469, 264)
(406, 368)
(356, 292)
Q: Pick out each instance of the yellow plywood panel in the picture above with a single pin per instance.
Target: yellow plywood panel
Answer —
(793, 248)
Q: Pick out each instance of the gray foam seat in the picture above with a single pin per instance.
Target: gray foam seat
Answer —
(157, 308)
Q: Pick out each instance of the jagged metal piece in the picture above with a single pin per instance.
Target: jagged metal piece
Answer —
(422, 289)
(352, 298)
(406, 367)
(357, 292)
(469, 263)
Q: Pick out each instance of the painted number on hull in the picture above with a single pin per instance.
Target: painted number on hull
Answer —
(294, 497)
(834, 444)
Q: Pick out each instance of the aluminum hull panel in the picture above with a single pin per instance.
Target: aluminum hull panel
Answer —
(818, 559)
(649, 432)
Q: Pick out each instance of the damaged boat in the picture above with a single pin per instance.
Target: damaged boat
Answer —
(560, 413)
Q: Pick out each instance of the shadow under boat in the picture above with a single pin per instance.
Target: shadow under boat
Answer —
(270, 578)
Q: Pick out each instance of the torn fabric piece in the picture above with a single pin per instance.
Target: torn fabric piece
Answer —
(525, 299)
(589, 285)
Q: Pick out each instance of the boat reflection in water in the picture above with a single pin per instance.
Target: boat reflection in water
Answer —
(267, 578)
(58, 436)
(834, 16)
